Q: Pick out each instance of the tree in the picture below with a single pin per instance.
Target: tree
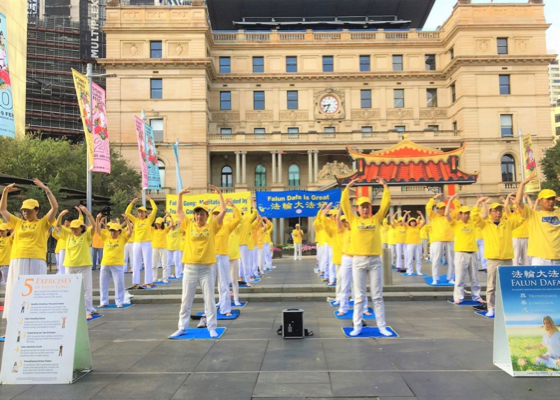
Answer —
(550, 167)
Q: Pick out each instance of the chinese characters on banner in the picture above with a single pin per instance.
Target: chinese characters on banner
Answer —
(139, 124)
(242, 201)
(530, 165)
(294, 203)
(154, 182)
(7, 123)
(101, 149)
(526, 342)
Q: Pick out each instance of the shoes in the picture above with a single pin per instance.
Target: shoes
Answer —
(213, 333)
(481, 307)
(165, 281)
(384, 331)
(490, 313)
(178, 333)
(451, 281)
(237, 304)
(202, 323)
(434, 282)
(94, 312)
(356, 332)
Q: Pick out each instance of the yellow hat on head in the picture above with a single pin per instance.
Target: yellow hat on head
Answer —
(495, 205)
(113, 226)
(332, 212)
(411, 219)
(4, 227)
(343, 218)
(29, 204)
(142, 209)
(76, 224)
(546, 194)
(363, 200)
(465, 209)
(201, 207)
(297, 225)
(441, 204)
(159, 220)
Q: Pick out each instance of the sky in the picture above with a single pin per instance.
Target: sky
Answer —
(442, 10)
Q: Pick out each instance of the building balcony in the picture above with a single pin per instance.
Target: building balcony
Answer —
(507, 187)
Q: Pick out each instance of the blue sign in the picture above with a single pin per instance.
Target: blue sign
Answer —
(154, 182)
(294, 203)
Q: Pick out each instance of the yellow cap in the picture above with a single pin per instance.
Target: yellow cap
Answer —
(411, 219)
(4, 227)
(546, 194)
(113, 226)
(76, 224)
(363, 200)
(495, 205)
(441, 204)
(142, 209)
(332, 212)
(399, 219)
(343, 218)
(200, 207)
(464, 209)
(159, 220)
(30, 204)
(297, 225)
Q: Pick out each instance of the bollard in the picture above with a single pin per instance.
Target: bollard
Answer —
(387, 272)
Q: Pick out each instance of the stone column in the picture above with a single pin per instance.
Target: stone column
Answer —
(273, 166)
(237, 168)
(316, 179)
(280, 167)
(244, 167)
(310, 164)
(281, 230)
(275, 230)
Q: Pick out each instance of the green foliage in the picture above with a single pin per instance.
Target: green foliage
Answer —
(523, 359)
(550, 167)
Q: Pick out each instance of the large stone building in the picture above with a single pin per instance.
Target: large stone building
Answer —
(273, 105)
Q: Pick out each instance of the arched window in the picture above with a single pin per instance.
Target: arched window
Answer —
(293, 175)
(161, 168)
(260, 176)
(508, 168)
(227, 176)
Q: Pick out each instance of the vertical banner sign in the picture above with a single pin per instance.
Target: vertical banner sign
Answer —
(91, 36)
(82, 91)
(530, 164)
(141, 150)
(101, 149)
(178, 170)
(154, 182)
(527, 320)
(47, 339)
(7, 123)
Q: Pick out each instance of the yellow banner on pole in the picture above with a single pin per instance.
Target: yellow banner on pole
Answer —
(242, 201)
(530, 165)
(82, 91)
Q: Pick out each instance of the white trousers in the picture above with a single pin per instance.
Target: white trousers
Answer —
(254, 262)
(87, 282)
(260, 260)
(245, 270)
(319, 256)
(117, 273)
(174, 258)
(267, 256)
(128, 256)
(205, 276)
(159, 257)
(425, 252)
(5, 270)
(345, 283)
(401, 252)
(362, 268)
(324, 261)
(21, 266)
(413, 253)
(297, 251)
(438, 249)
(60, 269)
(481, 258)
(393, 248)
(142, 251)
(466, 264)
(520, 256)
(332, 268)
(222, 264)
(234, 276)
(538, 261)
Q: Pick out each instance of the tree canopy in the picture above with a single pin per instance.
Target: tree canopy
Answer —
(550, 167)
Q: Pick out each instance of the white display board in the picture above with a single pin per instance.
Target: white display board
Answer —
(47, 339)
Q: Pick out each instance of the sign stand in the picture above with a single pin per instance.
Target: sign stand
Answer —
(47, 339)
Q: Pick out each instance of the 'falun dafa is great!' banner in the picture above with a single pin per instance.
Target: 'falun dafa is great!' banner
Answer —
(294, 203)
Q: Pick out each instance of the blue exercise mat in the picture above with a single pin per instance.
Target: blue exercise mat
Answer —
(330, 285)
(369, 332)
(466, 303)
(350, 315)
(234, 315)
(163, 283)
(415, 274)
(114, 307)
(2, 339)
(483, 314)
(200, 334)
(175, 278)
(441, 282)
(243, 304)
(95, 317)
(332, 303)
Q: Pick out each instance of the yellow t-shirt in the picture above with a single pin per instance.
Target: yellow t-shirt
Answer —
(424, 232)
(174, 239)
(97, 242)
(5, 250)
(320, 234)
(268, 233)
(260, 236)
(200, 242)
(233, 244)
(222, 237)
(30, 238)
(498, 242)
(384, 232)
(441, 229)
(544, 233)
(400, 233)
(391, 233)
(366, 233)
(60, 244)
(465, 236)
(159, 238)
(113, 249)
(131, 239)
(246, 230)
(346, 238)
(77, 248)
(335, 241)
(412, 235)
(522, 232)
(297, 235)
(142, 227)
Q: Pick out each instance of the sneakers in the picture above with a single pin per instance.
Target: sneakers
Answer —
(356, 332)
(165, 281)
(178, 333)
(481, 307)
(384, 331)
(202, 323)
(490, 313)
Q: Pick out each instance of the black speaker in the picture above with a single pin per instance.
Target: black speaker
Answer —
(292, 324)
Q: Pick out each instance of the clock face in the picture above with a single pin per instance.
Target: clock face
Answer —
(329, 104)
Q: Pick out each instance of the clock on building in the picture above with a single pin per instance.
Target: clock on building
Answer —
(329, 104)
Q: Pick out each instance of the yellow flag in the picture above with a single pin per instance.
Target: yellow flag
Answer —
(82, 91)
(242, 201)
(530, 165)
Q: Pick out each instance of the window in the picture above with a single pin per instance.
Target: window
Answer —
(157, 128)
(506, 125)
(258, 100)
(504, 84)
(259, 133)
(557, 118)
(367, 132)
(226, 133)
(155, 49)
(260, 176)
(453, 93)
(225, 65)
(330, 131)
(400, 128)
(451, 53)
(156, 88)
(398, 98)
(365, 65)
(292, 100)
(431, 97)
(365, 98)
(433, 127)
(225, 100)
(454, 126)
(227, 177)
(293, 175)
(293, 133)
(328, 64)
(430, 60)
(502, 46)
(508, 168)
(258, 65)
(558, 131)
(161, 169)
(291, 64)
(397, 63)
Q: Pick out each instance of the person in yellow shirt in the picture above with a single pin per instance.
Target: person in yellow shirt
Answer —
(128, 251)
(365, 247)
(543, 226)
(261, 237)
(297, 236)
(345, 282)
(29, 249)
(97, 247)
(268, 245)
(399, 226)
(248, 222)
(521, 240)
(6, 240)
(142, 249)
(159, 250)
(234, 256)
(424, 235)
(413, 243)
(173, 247)
(199, 259)
(254, 250)
(498, 244)
(320, 240)
(78, 255)
(60, 249)
(465, 248)
(112, 264)
(391, 237)
(480, 245)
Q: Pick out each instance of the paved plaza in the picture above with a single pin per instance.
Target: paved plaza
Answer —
(444, 352)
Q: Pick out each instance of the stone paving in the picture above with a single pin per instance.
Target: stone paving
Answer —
(444, 352)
